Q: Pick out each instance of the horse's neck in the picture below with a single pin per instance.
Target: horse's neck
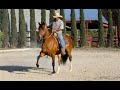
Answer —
(47, 34)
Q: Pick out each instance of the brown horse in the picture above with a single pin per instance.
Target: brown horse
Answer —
(50, 47)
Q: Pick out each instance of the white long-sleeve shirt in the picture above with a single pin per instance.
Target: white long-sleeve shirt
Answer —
(58, 24)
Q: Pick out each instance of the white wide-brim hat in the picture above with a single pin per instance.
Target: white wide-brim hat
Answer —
(57, 15)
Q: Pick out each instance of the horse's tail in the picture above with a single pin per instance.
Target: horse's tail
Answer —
(64, 58)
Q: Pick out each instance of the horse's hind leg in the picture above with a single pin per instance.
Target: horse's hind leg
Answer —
(59, 62)
(70, 58)
(41, 55)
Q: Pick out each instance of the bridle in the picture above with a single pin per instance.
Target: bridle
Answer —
(43, 33)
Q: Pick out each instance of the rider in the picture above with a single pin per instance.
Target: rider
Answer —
(57, 27)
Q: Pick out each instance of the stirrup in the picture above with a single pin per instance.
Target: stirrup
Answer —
(63, 52)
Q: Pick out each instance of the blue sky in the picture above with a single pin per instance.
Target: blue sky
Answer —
(90, 14)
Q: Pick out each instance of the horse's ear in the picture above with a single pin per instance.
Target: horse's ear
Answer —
(39, 23)
(43, 23)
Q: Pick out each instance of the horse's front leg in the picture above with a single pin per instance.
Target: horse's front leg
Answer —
(41, 55)
(53, 63)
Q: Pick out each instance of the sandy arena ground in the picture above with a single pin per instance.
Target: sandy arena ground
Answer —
(88, 65)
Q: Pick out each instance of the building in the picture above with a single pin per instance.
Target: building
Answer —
(90, 15)
(91, 22)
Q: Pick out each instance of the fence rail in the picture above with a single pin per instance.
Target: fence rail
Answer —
(93, 41)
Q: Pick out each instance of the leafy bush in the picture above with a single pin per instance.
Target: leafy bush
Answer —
(93, 33)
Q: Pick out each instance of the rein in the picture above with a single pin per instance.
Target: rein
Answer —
(44, 33)
(48, 36)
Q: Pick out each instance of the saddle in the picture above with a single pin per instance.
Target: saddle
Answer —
(65, 40)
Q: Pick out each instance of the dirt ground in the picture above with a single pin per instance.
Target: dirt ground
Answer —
(91, 64)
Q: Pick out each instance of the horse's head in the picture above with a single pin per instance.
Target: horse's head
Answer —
(42, 30)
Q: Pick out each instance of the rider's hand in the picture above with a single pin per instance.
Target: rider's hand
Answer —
(53, 30)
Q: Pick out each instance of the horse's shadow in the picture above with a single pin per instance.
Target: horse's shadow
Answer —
(25, 69)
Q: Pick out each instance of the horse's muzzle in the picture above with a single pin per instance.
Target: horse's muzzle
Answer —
(40, 38)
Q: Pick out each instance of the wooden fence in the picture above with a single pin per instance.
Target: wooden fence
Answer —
(93, 41)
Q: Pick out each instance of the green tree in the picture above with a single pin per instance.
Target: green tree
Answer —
(1, 39)
(52, 13)
(82, 29)
(14, 37)
(4, 27)
(118, 28)
(22, 30)
(43, 15)
(101, 41)
(9, 31)
(33, 36)
(0, 18)
(73, 28)
(63, 14)
(110, 29)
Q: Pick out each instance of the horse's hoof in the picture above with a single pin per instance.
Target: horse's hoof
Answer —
(53, 72)
(57, 72)
(37, 65)
(70, 70)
